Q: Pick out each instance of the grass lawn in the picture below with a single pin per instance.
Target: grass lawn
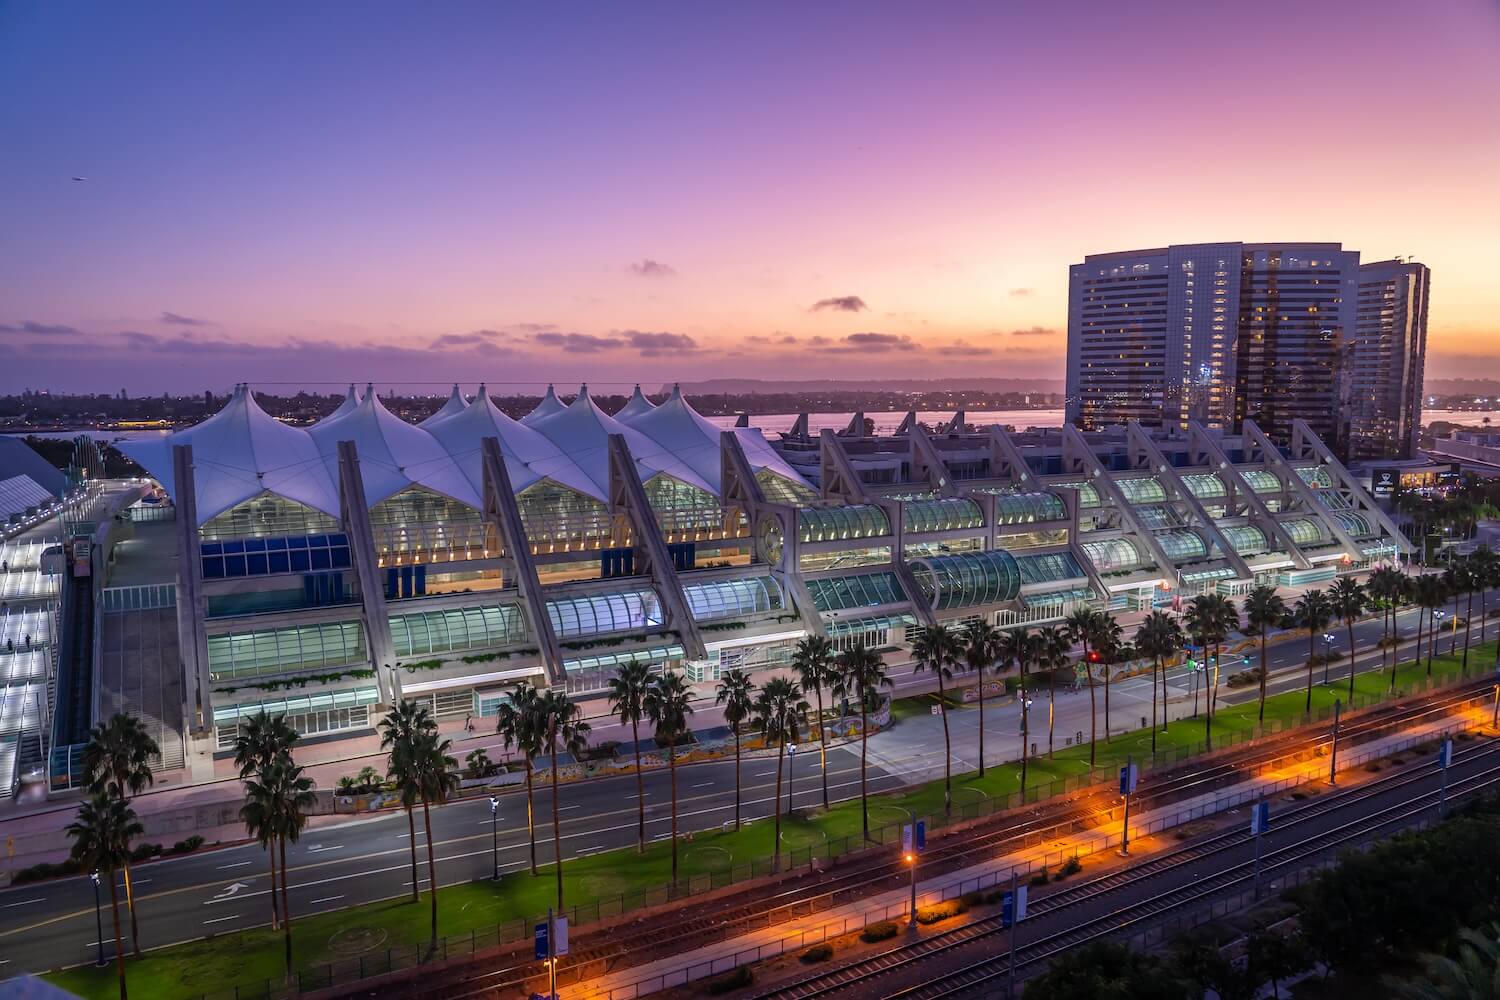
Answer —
(251, 957)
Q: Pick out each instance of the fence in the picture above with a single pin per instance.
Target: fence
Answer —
(396, 959)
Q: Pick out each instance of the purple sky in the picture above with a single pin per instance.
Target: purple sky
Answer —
(520, 192)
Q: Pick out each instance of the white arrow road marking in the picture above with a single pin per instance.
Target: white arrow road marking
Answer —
(229, 890)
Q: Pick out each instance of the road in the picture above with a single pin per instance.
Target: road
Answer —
(51, 924)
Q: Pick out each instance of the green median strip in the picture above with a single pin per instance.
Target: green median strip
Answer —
(606, 883)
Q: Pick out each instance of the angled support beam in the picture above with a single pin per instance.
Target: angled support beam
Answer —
(1246, 493)
(956, 425)
(924, 456)
(192, 605)
(1294, 483)
(1071, 500)
(1140, 441)
(1307, 444)
(627, 493)
(373, 612)
(1076, 448)
(799, 428)
(856, 426)
(1006, 459)
(501, 511)
(897, 516)
(907, 423)
(740, 485)
(840, 480)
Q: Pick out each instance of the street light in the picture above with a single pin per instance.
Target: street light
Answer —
(494, 834)
(98, 918)
(1328, 640)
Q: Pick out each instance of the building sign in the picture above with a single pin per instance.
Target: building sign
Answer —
(1384, 483)
(1451, 476)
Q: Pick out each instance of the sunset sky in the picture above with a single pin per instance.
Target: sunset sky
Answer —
(521, 192)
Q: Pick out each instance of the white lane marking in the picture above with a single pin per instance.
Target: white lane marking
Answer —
(704, 784)
(325, 899)
(319, 849)
(26, 902)
(763, 774)
(564, 809)
(237, 864)
(220, 920)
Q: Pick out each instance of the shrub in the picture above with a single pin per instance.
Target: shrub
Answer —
(140, 852)
(880, 930)
(1041, 877)
(45, 870)
(185, 846)
(1244, 678)
(940, 911)
(817, 953)
(738, 979)
(1072, 866)
(975, 898)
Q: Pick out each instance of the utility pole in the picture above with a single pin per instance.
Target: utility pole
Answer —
(913, 840)
(494, 834)
(1128, 778)
(1445, 758)
(1260, 818)
(1333, 753)
(98, 919)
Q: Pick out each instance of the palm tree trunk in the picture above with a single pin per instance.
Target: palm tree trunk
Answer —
(1420, 627)
(1155, 669)
(1025, 729)
(1468, 630)
(114, 909)
(640, 790)
(823, 743)
(1349, 622)
(981, 722)
(275, 904)
(1263, 630)
(947, 747)
(1432, 637)
(556, 825)
(864, 746)
(776, 810)
(530, 816)
(1093, 713)
(1051, 706)
(135, 931)
(432, 886)
(286, 908)
(672, 769)
(1310, 634)
(1107, 672)
(737, 777)
(411, 829)
(1453, 631)
(1208, 712)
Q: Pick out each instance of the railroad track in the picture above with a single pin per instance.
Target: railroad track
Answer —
(863, 978)
(812, 891)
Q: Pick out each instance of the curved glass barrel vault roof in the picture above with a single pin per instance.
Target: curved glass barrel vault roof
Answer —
(968, 580)
(1025, 508)
(1112, 554)
(1303, 530)
(453, 629)
(1262, 480)
(863, 590)
(1182, 543)
(1353, 522)
(1088, 493)
(1247, 539)
(1316, 476)
(1048, 567)
(951, 514)
(601, 614)
(1205, 485)
(1147, 489)
(831, 524)
(733, 598)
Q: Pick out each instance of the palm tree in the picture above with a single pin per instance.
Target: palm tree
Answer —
(516, 723)
(1473, 975)
(778, 710)
(813, 661)
(1264, 611)
(1383, 588)
(258, 813)
(1081, 627)
(117, 759)
(1159, 637)
(1109, 640)
(423, 766)
(980, 643)
(1209, 619)
(668, 705)
(627, 700)
(1016, 646)
(1054, 646)
(278, 799)
(1486, 567)
(101, 843)
(1312, 612)
(401, 728)
(1430, 594)
(862, 674)
(1349, 601)
(736, 692)
(562, 721)
(936, 649)
(261, 739)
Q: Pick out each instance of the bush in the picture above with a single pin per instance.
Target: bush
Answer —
(140, 852)
(817, 953)
(45, 870)
(1072, 866)
(738, 979)
(1041, 877)
(1244, 678)
(881, 930)
(975, 898)
(940, 911)
(186, 846)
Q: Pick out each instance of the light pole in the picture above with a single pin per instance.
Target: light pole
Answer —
(494, 834)
(791, 779)
(1328, 640)
(98, 919)
(1333, 753)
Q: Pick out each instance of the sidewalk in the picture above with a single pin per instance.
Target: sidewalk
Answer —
(795, 934)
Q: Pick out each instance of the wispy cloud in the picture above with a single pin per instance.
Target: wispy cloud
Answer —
(1035, 331)
(652, 345)
(1022, 293)
(180, 320)
(578, 343)
(473, 339)
(45, 329)
(648, 268)
(840, 303)
(962, 349)
(865, 343)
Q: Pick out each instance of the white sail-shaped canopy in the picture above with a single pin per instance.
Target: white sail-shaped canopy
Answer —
(548, 407)
(351, 400)
(529, 456)
(453, 406)
(239, 453)
(393, 455)
(681, 430)
(582, 430)
(637, 406)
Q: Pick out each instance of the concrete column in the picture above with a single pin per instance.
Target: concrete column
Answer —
(192, 605)
(373, 616)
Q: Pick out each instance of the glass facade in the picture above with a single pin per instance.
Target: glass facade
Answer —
(733, 598)
(779, 489)
(417, 524)
(271, 556)
(1262, 480)
(1024, 508)
(844, 593)
(1316, 476)
(812, 562)
(1048, 567)
(556, 518)
(1112, 554)
(284, 650)
(1088, 494)
(1353, 522)
(951, 514)
(1205, 485)
(1182, 544)
(456, 629)
(833, 524)
(682, 510)
(601, 614)
(1142, 490)
(1059, 599)
(1303, 531)
(871, 633)
(969, 580)
(268, 516)
(1247, 539)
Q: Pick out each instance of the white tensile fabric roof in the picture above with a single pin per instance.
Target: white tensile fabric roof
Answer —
(239, 453)
(454, 405)
(393, 455)
(682, 431)
(582, 431)
(529, 455)
(637, 406)
(351, 400)
(548, 407)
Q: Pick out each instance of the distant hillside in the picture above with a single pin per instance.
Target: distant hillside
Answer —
(751, 386)
(1462, 387)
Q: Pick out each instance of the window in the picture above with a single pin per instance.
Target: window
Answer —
(1048, 567)
(555, 517)
(601, 614)
(452, 629)
(964, 581)
(1247, 539)
(941, 515)
(1142, 491)
(317, 723)
(1112, 554)
(1303, 531)
(283, 650)
(1024, 508)
(779, 489)
(272, 556)
(1182, 544)
(812, 562)
(733, 598)
(827, 524)
(268, 516)
(420, 523)
(844, 593)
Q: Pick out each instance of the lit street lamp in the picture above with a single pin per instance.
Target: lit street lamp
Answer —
(494, 834)
(98, 919)
(1328, 640)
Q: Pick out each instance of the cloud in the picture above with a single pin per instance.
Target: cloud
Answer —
(171, 317)
(865, 343)
(1021, 293)
(653, 345)
(48, 329)
(578, 343)
(473, 339)
(962, 349)
(533, 327)
(1035, 331)
(841, 303)
(648, 268)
